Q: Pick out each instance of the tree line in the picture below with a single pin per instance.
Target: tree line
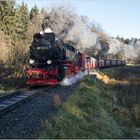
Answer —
(16, 28)
(128, 41)
(18, 25)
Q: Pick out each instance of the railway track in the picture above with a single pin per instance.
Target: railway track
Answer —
(13, 100)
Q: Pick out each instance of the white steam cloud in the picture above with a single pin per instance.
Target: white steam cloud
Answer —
(71, 28)
(132, 51)
(74, 79)
(114, 46)
(75, 30)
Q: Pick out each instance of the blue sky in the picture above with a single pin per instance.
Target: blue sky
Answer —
(117, 17)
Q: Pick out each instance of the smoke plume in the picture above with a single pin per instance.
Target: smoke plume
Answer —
(76, 30)
(132, 51)
(71, 28)
(114, 46)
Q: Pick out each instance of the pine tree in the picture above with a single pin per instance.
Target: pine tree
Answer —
(7, 17)
(131, 39)
(118, 37)
(22, 19)
(122, 39)
(42, 10)
(34, 12)
(135, 40)
(127, 41)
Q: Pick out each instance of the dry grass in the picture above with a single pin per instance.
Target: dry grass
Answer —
(56, 101)
(15, 50)
(107, 80)
(122, 88)
(14, 56)
(4, 47)
(11, 78)
(136, 112)
(126, 88)
(44, 124)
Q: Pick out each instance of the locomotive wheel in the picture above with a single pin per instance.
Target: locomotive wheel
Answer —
(61, 73)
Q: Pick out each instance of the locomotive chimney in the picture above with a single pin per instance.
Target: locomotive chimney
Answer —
(46, 28)
(48, 33)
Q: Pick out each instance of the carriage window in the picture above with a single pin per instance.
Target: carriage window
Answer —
(88, 59)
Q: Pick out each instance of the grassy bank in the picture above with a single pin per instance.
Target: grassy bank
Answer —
(83, 115)
(108, 108)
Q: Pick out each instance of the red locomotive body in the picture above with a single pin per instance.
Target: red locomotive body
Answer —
(42, 77)
(51, 60)
(52, 76)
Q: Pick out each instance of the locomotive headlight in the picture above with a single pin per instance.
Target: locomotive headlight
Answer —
(31, 61)
(49, 62)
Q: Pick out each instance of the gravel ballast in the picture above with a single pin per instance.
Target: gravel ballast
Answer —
(25, 120)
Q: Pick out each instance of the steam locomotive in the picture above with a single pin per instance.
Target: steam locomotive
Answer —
(52, 60)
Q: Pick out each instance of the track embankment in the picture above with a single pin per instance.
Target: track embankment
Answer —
(106, 108)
